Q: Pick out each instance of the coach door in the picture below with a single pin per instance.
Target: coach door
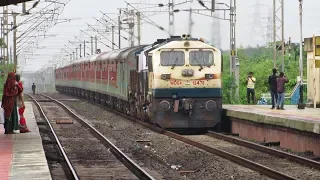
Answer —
(121, 80)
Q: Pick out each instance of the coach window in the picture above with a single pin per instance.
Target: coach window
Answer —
(172, 58)
(201, 58)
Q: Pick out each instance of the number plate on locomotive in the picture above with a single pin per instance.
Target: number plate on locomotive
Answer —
(198, 82)
(175, 82)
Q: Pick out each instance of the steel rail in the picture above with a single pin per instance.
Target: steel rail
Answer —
(130, 164)
(72, 171)
(258, 147)
(226, 155)
(234, 158)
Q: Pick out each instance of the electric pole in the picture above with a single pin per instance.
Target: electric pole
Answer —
(91, 45)
(80, 51)
(112, 34)
(84, 48)
(15, 59)
(119, 28)
(2, 42)
(277, 6)
(130, 21)
(234, 62)
(11, 58)
(190, 22)
(96, 45)
(139, 27)
(5, 39)
(171, 17)
(301, 104)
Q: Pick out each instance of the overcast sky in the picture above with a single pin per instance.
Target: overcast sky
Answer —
(249, 31)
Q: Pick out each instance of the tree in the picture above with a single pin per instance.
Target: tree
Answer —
(259, 61)
(1, 42)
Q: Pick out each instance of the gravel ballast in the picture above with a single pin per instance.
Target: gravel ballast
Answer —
(281, 165)
(167, 156)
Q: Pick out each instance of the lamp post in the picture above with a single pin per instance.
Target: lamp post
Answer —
(301, 105)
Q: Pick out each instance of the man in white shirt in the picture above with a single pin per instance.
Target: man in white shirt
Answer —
(250, 87)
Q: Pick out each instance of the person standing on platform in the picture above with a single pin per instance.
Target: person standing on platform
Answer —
(273, 87)
(23, 123)
(11, 91)
(250, 87)
(281, 81)
(34, 89)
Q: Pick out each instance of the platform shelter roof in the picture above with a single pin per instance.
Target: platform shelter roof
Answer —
(9, 2)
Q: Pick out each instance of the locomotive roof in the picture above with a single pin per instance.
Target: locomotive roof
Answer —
(180, 43)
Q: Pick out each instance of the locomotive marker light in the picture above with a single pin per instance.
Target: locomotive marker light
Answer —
(208, 76)
(165, 76)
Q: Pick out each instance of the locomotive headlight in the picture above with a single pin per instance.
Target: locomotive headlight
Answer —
(208, 76)
(190, 72)
(187, 72)
(211, 105)
(165, 76)
(164, 105)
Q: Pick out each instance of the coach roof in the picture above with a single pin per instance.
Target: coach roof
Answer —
(119, 54)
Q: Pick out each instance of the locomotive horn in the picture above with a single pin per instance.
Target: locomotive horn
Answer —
(183, 36)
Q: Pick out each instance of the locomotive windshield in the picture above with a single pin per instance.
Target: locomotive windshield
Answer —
(172, 58)
(201, 58)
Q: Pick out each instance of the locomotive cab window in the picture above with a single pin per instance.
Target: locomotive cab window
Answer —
(201, 58)
(172, 58)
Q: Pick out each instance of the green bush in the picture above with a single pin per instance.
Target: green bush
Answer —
(259, 61)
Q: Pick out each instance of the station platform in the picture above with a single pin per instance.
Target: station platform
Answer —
(295, 129)
(307, 119)
(22, 155)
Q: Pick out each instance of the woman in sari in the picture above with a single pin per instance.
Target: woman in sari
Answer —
(23, 123)
(11, 91)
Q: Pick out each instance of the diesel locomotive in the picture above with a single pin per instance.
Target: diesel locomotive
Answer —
(174, 83)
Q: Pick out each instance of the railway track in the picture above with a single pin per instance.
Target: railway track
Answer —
(271, 151)
(87, 153)
(251, 164)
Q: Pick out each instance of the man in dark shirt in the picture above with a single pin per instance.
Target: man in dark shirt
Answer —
(34, 89)
(281, 81)
(273, 87)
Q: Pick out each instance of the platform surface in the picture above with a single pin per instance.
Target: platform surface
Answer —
(301, 119)
(21, 155)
